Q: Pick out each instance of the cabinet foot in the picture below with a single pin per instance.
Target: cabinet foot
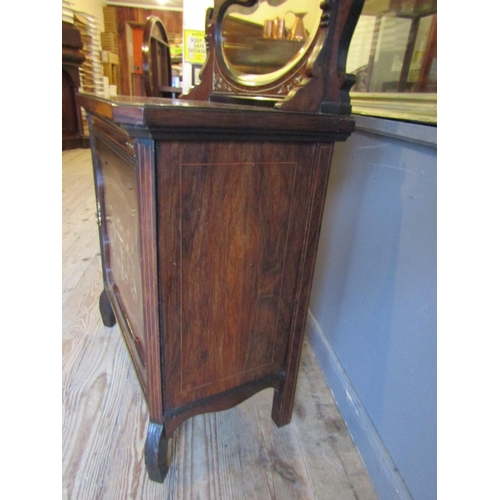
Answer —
(156, 453)
(107, 314)
(282, 409)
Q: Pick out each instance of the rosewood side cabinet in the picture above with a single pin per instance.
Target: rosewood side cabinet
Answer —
(209, 210)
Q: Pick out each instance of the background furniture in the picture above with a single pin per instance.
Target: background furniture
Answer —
(209, 216)
(110, 67)
(72, 58)
(124, 28)
(156, 61)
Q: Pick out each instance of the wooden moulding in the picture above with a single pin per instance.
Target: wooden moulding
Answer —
(177, 119)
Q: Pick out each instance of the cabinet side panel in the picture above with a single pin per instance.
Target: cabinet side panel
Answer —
(231, 236)
(234, 226)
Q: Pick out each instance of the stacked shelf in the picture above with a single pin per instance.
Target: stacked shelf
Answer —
(67, 11)
(110, 47)
(109, 38)
(91, 70)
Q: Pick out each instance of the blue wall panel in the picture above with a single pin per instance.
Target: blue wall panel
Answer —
(374, 293)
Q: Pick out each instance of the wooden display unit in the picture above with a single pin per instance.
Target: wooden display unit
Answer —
(72, 57)
(209, 216)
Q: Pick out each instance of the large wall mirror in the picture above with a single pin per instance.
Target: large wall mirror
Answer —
(262, 40)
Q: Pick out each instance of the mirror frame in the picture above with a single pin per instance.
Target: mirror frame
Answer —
(317, 82)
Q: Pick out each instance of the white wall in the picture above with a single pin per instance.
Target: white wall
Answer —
(359, 49)
(92, 7)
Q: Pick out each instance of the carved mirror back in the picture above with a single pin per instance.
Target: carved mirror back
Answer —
(264, 52)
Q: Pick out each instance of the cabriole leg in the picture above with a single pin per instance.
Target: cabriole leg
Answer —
(156, 452)
(107, 314)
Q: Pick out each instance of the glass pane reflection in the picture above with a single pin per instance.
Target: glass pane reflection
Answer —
(394, 47)
(262, 42)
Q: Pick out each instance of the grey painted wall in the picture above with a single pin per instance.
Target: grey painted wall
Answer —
(372, 315)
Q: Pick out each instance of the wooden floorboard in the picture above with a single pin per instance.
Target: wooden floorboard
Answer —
(230, 455)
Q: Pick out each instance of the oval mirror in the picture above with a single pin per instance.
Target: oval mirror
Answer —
(263, 42)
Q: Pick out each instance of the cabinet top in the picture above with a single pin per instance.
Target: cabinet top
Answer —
(177, 118)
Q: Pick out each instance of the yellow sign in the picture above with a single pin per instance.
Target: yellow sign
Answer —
(194, 46)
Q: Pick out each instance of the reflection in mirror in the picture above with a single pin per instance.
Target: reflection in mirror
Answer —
(261, 43)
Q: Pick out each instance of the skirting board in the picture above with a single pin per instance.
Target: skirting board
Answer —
(386, 479)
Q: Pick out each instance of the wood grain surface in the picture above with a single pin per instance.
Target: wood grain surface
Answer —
(234, 454)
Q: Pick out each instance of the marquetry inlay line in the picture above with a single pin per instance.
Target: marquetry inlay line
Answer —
(238, 164)
(299, 323)
(147, 217)
(131, 210)
(181, 301)
(285, 255)
(117, 150)
(240, 373)
(229, 377)
(124, 256)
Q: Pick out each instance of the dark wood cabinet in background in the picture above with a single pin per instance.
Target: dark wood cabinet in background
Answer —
(126, 20)
(209, 217)
(72, 58)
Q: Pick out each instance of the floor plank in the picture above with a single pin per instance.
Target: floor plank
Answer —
(230, 455)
